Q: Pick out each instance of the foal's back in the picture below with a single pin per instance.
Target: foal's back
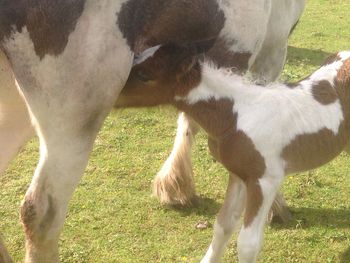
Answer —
(306, 124)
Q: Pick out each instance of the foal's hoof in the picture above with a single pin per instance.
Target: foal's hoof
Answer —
(283, 216)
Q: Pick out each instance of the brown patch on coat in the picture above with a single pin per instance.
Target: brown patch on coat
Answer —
(342, 86)
(49, 22)
(12, 17)
(238, 154)
(214, 116)
(343, 75)
(309, 151)
(253, 203)
(222, 56)
(324, 92)
(147, 23)
(331, 59)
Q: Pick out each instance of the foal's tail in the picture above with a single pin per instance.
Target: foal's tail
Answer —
(4, 255)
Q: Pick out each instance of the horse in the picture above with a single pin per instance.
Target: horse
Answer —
(258, 133)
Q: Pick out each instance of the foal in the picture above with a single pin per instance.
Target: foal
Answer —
(259, 134)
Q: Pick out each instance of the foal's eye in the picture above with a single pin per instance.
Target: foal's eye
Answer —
(143, 76)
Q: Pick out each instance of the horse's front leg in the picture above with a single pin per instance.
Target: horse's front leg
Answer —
(66, 139)
(261, 193)
(63, 158)
(174, 184)
(70, 84)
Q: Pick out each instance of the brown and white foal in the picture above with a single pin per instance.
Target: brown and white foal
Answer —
(259, 134)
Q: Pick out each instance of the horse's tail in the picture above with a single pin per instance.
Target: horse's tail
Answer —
(4, 255)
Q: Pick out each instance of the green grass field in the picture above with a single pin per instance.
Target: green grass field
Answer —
(113, 218)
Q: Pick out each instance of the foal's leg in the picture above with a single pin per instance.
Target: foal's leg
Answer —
(267, 68)
(260, 196)
(227, 219)
(15, 125)
(174, 184)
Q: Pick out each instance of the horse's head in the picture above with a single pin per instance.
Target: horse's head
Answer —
(161, 73)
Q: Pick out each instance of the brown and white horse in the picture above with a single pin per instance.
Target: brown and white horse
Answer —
(258, 133)
(63, 64)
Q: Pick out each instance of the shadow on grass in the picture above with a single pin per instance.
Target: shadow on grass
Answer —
(203, 206)
(307, 56)
(345, 257)
(305, 217)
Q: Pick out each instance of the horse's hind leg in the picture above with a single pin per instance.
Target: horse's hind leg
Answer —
(66, 138)
(15, 125)
(69, 95)
(174, 183)
(64, 152)
(65, 145)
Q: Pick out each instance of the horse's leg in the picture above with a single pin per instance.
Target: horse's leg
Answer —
(64, 152)
(66, 139)
(174, 183)
(227, 219)
(270, 61)
(15, 125)
(69, 94)
(260, 196)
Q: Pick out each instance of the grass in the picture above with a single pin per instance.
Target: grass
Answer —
(112, 217)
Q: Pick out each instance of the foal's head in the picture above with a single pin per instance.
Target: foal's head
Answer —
(161, 74)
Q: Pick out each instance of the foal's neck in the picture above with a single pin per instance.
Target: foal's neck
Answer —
(210, 103)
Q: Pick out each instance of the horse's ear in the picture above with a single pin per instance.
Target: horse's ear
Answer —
(191, 53)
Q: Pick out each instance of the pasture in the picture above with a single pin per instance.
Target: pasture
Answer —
(112, 217)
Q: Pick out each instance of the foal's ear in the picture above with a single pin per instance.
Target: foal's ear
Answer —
(186, 65)
(191, 53)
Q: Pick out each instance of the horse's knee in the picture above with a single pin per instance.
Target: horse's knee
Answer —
(38, 215)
